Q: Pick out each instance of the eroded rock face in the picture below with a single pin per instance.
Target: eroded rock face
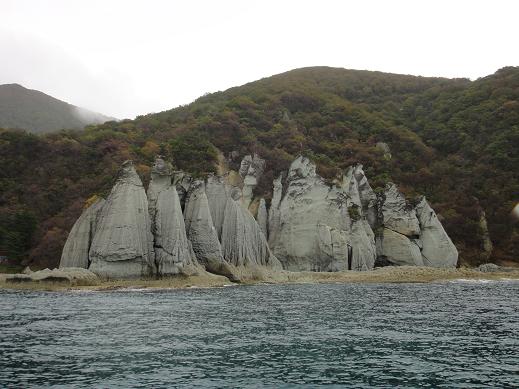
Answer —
(384, 147)
(217, 193)
(123, 246)
(412, 235)
(274, 213)
(171, 246)
(160, 180)
(356, 185)
(438, 250)
(76, 249)
(398, 215)
(251, 169)
(199, 226)
(262, 218)
(315, 226)
(487, 245)
(398, 249)
(398, 241)
(243, 242)
(182, 182)
(310, 225)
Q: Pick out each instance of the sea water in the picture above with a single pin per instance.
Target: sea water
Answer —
(452, 334)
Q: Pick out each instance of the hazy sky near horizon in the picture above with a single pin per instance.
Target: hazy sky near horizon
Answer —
(125, 58)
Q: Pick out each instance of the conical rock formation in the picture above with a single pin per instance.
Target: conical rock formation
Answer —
(437, 248)
(123, 246)
(76, 249)
(310, 225)
(412, 235)
(243, 242)
(171, 246)
(199, 225)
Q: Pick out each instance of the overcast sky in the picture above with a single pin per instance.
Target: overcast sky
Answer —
(125, 58)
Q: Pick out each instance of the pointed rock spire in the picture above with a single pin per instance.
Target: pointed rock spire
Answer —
(171, 246)
(437, 248)
(243, 243)
(199, 225)
(123, 246)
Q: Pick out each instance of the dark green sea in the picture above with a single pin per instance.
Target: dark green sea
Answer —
(453, 335)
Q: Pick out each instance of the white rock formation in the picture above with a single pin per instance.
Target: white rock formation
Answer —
(311, 228)
(171, 246)
(76, 249)
(397, 214)
(437, 248)
(398, 249)
(412, 235)
(398, 241)
(262, 217)
(123, 246)
(311, 225)
(243, 242)
(363, 249)
(251, 169)
(217, 193)
(356, 184)
(273, 213)
(385, 149)
(199, 226)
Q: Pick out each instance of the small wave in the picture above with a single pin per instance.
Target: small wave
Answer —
(132, 289)
(82, 291)
(471, 281)
(480, 281)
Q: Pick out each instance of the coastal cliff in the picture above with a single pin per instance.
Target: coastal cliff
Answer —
(183, 224)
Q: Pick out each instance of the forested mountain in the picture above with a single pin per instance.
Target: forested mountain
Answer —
(39, 113)
(454, 140)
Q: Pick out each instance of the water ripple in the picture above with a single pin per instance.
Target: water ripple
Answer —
(459, 334)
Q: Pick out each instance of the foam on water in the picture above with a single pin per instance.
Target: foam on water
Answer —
(481, 281)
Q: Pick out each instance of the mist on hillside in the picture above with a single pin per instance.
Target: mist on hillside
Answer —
(88, 117)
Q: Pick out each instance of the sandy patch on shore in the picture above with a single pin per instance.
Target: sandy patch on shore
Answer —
(397, 274)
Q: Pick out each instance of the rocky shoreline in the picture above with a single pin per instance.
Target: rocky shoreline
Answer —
(203, 279)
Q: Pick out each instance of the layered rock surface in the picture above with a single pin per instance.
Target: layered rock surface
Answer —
(262, 217)
(311, 225)
(251, 169)
(200, 228)
(242, 242)
(76, 249)
(437, 248)
(123, 246)
(412, 235)
(171, 246)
